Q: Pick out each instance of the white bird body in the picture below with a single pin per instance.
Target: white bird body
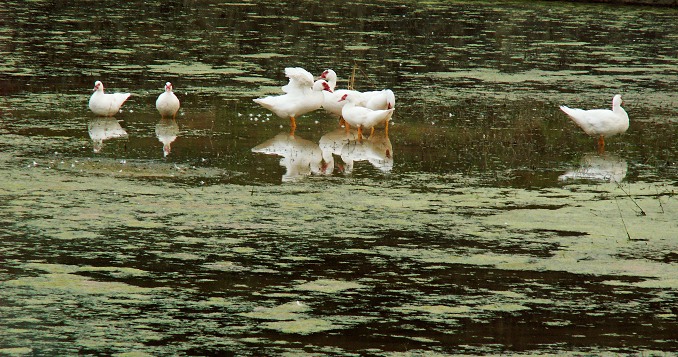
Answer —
(363, 117)
(167, 103)
(105, 104)
(376, 100)
(332, 103)
(380, 99)
(601, 122)
(302, 95)
(294, 103)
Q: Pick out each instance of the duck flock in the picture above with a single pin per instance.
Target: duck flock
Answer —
(363, 110)
(358, 110)
(303, 94)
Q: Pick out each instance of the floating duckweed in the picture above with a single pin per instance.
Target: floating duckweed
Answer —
(504, 307)
(181, 256)
(558, 323)
(192, 69)
(358, 47)
(16, 351)
(438, 309)
(289, 311)
(117, 272)
(243, 250)
(301, 326)
(76, 284)
(206, 250)
(133, 354)
(329, 286)
(224, 266)
(263, 55)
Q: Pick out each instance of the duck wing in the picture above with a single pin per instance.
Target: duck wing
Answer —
(300, 80)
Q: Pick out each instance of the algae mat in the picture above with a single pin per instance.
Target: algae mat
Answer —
(485, 222)
(107, 263)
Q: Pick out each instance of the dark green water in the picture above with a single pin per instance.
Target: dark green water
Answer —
(491, 227)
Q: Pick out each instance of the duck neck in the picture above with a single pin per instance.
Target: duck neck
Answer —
(619, 110)
(332, 82)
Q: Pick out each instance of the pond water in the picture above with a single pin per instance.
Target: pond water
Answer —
(484, 223)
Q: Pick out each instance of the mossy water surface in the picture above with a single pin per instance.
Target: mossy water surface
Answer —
(485, 223)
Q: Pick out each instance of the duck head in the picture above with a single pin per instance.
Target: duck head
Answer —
(321, 85)
(617, 101)
(329, 75)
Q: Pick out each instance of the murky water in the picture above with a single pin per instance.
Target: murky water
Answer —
(484, 223)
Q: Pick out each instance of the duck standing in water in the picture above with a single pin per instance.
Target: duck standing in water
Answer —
(376, 100)
(363, 117)
(104, 104)
(302, 95)
(167, 103)
(601, 122)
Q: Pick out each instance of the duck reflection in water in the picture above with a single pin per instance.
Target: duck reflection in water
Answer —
(598, 167)
(300, 157)
(167, 131)
(332, 143)
(101, 129)
(377, 149)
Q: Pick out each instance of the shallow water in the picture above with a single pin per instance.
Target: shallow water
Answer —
(484, 223)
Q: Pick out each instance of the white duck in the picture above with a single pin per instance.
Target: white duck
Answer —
(363, 117)
(331, 77)
(302, 95)
(380, 100)
(377, 100)
(601, 122)
(104, 104)
(167, 103)
(331, 102)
